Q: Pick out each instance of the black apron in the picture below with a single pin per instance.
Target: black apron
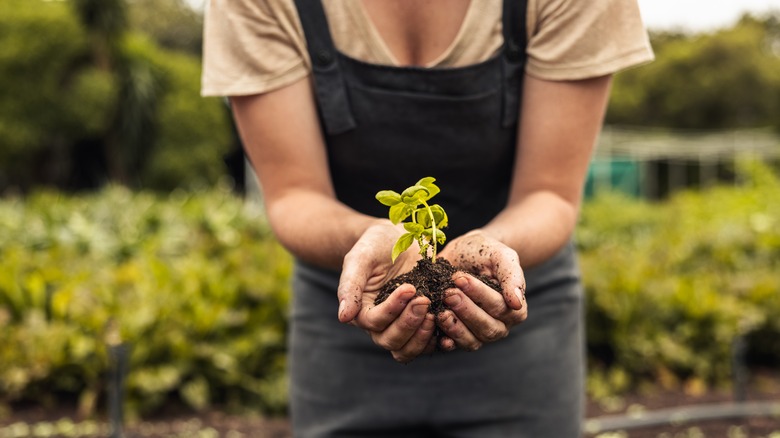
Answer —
(386, 127)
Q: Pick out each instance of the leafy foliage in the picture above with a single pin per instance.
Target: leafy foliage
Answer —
(198, 287)
(171, 23)
(87, 102)
(671, 286)
(39, 45)
(725, 79)
(192, 134)
(426, 220)
(194, 283)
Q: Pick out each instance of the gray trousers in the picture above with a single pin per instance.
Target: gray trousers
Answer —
(529, 384)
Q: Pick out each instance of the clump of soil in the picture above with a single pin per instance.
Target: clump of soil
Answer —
(432, 280)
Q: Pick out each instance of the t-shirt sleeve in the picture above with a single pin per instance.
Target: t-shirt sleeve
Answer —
(251, 47)
(576, 39)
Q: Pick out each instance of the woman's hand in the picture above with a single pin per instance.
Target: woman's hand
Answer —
(401, 323)
(478, 314)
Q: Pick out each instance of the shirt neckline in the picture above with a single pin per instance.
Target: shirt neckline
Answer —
(379, 43)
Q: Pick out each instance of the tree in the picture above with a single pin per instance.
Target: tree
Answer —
(129, 134)
(726, 79)
(51, 97)
(171, 23)
(87, 102)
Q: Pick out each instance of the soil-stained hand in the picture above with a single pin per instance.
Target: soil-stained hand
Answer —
(401, 324)
(478, 314)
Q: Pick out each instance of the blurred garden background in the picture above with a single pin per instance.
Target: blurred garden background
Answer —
(132, 243)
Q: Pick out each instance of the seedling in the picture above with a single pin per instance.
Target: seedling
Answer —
(426, 220)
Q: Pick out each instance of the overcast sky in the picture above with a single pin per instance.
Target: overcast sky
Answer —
(690, 15)
(700, 15)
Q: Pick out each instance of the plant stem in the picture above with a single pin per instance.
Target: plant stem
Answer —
(433, 223)
(420, 239)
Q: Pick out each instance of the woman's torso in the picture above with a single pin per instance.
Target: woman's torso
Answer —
(388, 126)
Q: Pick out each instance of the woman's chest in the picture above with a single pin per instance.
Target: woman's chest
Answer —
(416, 32)
(427, 33)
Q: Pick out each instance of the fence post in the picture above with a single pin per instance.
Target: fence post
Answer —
(739, 368)
(118, 356)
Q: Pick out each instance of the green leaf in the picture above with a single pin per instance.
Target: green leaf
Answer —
(423, 218)
(440, 236)
(403, 243)
(439, 215)
(414, 195)
(427, 182)
(414, 228)
(399, 212)
(388, 197)
(196, 393)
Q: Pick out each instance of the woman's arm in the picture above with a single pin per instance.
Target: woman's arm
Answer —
(560, 124)
(557, 133)
(281, 134)
(282, 138)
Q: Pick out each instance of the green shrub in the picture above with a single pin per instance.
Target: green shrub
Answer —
(198, 288)
(194, 283)
(670, 286)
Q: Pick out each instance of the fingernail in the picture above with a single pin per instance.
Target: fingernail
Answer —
(462, 283)
(452, 300)
(520, 294)
(409, 295)
(447, 344)
(342, 307)
(420, 309)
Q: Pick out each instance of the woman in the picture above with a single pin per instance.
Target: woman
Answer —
(502, 103)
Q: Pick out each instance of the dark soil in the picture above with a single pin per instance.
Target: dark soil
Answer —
(431, 280)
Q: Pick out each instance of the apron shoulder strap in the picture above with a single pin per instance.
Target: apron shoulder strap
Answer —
(329, 87)
(513, 56)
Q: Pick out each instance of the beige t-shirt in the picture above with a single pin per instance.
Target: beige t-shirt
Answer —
(255, 46)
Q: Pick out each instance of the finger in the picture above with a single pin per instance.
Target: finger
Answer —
(488, 300)
(354, 276)
(446, 344)
(419, 343)
(378, 318)
(453, 327)
(401, 329)
(485, 327)
(510, 276)
(479, 293)
(349, 294)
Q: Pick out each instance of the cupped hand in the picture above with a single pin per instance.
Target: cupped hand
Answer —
(401, 324)
(477, 314)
